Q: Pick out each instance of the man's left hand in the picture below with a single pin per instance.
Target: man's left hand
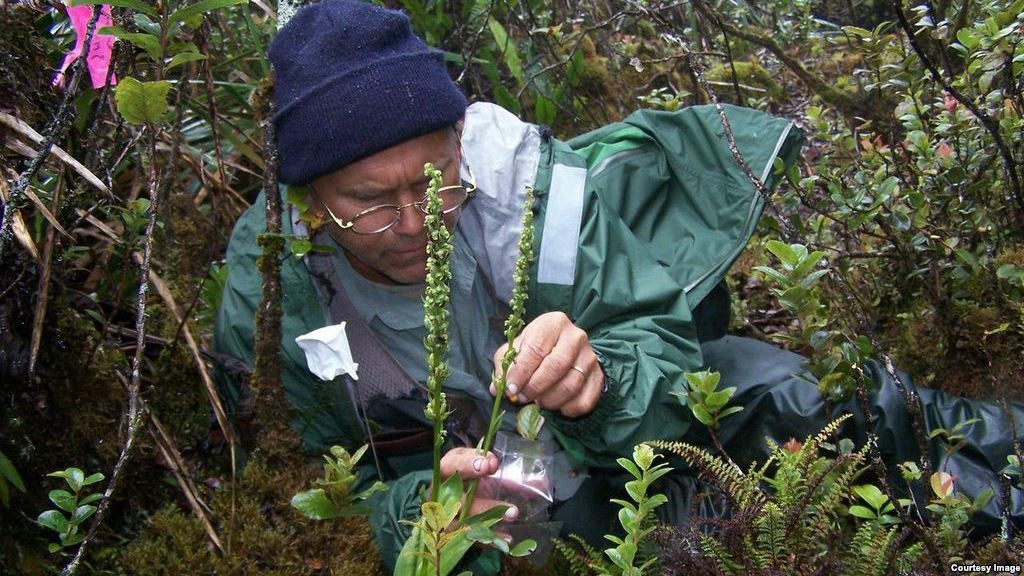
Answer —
(555, 367)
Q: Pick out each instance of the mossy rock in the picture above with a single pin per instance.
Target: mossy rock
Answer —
(747, 74)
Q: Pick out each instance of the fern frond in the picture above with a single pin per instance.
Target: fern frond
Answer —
(826, 432)
(583, 559)
(908, 558)
(577, 565)
(869, 549)
(724, 561)
(771, 536)
(740, 489)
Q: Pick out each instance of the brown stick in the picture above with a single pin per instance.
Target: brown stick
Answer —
(134, 395)
(43, 288)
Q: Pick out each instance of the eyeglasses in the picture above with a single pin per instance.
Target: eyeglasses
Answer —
(377, 219)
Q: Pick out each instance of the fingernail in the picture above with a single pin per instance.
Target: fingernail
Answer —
(507, 538)
(478, 464)
(522, 399)
(513, 389)
(511, 513)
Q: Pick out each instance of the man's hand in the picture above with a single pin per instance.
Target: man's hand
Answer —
(555, 367)
(469, 464)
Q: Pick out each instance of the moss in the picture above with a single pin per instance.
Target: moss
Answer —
(747, 74)
(267, 537)
(1013, 256)
(594, 77)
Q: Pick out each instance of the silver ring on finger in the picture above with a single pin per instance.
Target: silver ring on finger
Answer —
(581, 371)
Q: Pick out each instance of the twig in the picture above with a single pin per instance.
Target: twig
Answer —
(55, 131)
(134, 394)
(989, 124)
(470, 52)
(43, 288)
(212, 107)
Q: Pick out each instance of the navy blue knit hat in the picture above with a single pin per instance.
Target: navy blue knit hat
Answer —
(351, 80)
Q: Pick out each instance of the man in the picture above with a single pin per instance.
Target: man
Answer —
(636, 225)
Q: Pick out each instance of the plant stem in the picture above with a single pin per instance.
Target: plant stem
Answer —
(513, 324)
(435, 316)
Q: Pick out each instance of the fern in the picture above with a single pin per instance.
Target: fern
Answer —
(742, 490)
(577, 566)
(716, 551)
(771, 536)
(583, 558)
(868, 549)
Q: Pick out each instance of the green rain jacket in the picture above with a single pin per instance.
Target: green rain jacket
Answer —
(635, 224)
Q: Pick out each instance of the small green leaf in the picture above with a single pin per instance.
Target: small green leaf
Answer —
(63, 499)
(74, 477)
(529, 421)
(629, 466)
(1006, 271)
(433, 513)
(716, 400)
(635, 489)
(862, 512)
(92, 479)
(983, 499)
(871, 494)
(314, 504)
(544, 111)
(523, 548)
(142, 102)
(627, 518)
(148, 42)
(702, 414)
(184, 58)
(729, 411)
(966, 38)
(53, 547)
(53, 520)
(90, 498)
(83, 513)
(200, 8)
(783, 252)
(300, 247)
(508, 50)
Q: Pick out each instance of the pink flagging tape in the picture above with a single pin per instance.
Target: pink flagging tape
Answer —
(99, 49)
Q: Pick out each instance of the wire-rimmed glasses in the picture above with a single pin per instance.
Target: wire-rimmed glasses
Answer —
(377, 219)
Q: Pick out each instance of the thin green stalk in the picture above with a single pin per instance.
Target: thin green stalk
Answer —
(435, 316)
(513, 325)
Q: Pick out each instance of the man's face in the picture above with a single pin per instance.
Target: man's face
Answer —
(394, 176)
